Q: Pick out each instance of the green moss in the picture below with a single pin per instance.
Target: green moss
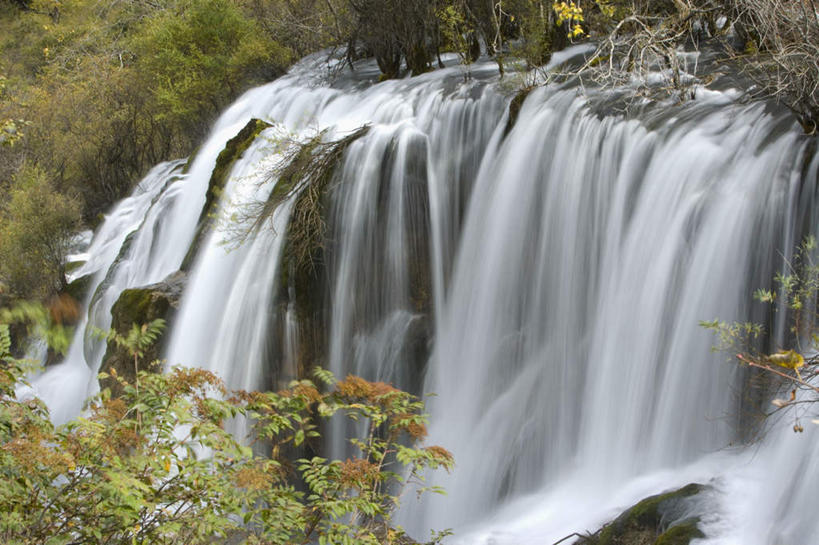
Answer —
(650, 510)
(515, 106)
(647, 522)
(681, 533)
(233, 151)
(139, 306)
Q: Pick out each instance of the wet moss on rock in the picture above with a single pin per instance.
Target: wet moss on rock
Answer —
(656, 520)
(681, 534)
(140, 306)
(514, 108)
(233, 151)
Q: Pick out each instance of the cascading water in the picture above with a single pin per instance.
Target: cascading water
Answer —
(568, 351)
(65, 386)
(546, 282)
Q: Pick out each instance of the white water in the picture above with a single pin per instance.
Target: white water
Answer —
(558, 275)
(65, 386)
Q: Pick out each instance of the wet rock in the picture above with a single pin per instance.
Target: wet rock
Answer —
(78, 288)
(665, 519)
(514, 108)
(234, 149)
(140, 306)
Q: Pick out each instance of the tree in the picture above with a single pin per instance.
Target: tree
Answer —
(193, 59)
(36, 225)
(782, 44)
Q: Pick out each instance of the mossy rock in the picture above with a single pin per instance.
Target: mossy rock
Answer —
(233, 151)
(140, 306)
(656, 520)
(681, 533)
(78, 288)
(514, 108)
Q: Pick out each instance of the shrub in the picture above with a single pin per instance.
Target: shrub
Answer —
(156, 465)
(198, 57)
(36, 224)
(789, 372)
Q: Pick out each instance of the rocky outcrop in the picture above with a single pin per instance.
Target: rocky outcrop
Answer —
(311, 260)
(515, 106)
(234, 149)
(670, 518)
(140, 306)
(78, 288)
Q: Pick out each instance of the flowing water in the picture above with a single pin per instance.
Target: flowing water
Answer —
(546, 282)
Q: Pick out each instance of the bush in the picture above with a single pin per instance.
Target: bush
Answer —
(156, 465)
(197, 58)
(36, 224)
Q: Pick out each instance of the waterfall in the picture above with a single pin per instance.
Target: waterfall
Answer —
(568, 351)
(544, 278)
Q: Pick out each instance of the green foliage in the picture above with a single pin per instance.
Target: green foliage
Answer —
(788, 369)
(456, 32)
(41, 322)
(110, 89)
(732, 335)
(138, 339)
(156, 465)
(9, 128)
(194, 56)
(36, 223)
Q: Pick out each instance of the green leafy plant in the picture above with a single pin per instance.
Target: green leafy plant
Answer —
(791, 370)
(157, 466)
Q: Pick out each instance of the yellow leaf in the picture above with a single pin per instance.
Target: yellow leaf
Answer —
(790, 359)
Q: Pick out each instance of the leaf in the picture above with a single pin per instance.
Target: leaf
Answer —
(789, 359)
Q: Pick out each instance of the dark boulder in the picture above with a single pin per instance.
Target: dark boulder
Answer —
(140, 306)
(671, 518)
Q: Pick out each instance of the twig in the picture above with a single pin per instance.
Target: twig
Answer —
(573, 534)
(777, 372)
